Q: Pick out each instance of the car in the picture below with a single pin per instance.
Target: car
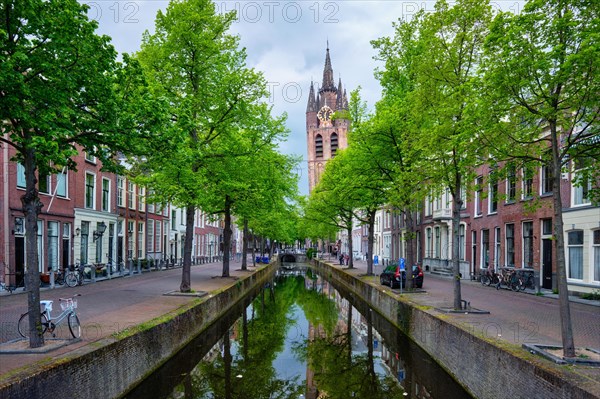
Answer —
(391, 276)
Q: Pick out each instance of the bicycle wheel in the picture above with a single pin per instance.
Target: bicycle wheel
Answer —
(74, 325)
(521, 285)
(23, 325)
(71, 279)
(485, 280)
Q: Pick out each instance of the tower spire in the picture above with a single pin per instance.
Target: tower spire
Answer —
(312, 105)
(328, 83)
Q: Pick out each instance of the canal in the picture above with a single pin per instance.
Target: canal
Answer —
(300, 337)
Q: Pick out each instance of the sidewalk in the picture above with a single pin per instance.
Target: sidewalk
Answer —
(110, 306)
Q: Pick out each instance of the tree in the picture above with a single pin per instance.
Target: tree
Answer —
(61, 90)
(197, 66)
(447, 50)
(542, 86)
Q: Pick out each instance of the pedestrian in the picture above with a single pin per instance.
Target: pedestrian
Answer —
(341, 259)
(346, 258)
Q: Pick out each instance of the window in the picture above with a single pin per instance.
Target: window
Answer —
(596, 254)
(511, 185)
(334, 144)
(90, 182)
(98, 242)
(130, 195)
(428, 243)
(575, 248)
(140, 240)
(61, 184)
(40, 245)
(21, 176)
(485, 249)
(461, 242)
(53, 231)
(581, 184)
(319, 146)
(496, 248)
(157, 246)
(493, 198)
(479, 196)
(44, 182)
(150, 235)
(528, 244)
(546, 180)
(527, 182)
(130, 239)
(510, 245)
(120, 191)
(173, 219)
(89, 157)
(141, 202)
(105, 195)
(85, 232)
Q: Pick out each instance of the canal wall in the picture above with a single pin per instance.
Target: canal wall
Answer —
(110, 367)
(485, 369)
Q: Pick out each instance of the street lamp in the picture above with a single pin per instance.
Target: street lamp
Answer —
(101, 229)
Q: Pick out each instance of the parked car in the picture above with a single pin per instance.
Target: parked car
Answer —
(391, 276)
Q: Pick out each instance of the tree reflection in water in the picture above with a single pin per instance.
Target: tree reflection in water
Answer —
(298, 310)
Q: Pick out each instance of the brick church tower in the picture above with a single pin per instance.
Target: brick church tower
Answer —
(324, 136)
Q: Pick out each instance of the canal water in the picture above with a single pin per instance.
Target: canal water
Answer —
(300, 337)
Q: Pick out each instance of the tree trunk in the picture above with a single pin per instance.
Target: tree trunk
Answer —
(350, 260)
(227, 236)
(561, 271)
(245, 246)
(31, 209)
(456, 207)
(186, 282)
(410, 250)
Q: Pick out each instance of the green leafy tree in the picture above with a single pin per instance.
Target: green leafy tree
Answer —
(198, 67)
(443, 67)
(542, 86)
(61, 90)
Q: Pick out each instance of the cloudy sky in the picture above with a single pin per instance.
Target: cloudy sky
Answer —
(286, 40)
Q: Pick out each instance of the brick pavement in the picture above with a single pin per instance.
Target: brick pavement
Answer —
(110, 306)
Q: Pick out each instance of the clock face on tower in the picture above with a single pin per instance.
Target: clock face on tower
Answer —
(324, 113)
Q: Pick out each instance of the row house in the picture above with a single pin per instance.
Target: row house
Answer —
(503, 223)
(90, 217)
(510, 223)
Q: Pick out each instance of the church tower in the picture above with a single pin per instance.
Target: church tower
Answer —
(325, 136)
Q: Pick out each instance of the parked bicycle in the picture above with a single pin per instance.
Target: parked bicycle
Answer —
(49, 324)
(509, 278)
(489, 277)
(74, 276)
(7, 287)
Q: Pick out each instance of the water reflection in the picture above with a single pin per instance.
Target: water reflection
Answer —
(300, 338)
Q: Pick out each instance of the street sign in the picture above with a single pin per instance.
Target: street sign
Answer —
(402, 264)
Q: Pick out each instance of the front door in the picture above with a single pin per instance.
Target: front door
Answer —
(19, 261)
(547, 263)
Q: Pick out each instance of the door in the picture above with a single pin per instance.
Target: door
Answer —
(19, 260)
(547, 263)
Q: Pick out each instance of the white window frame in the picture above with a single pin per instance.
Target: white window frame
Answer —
(106, 205)
(574, 247)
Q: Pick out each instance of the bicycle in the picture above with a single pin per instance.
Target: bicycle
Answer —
(74, 276)
(509, 278)
(49, 324)
(489, 277)
(7, 287)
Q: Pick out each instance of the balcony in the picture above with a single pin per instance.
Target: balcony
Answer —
(442, 214)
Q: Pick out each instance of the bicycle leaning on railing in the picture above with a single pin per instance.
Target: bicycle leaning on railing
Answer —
(49, 324)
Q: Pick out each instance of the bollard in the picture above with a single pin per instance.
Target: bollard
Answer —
(130, 267)
(93, 273)
(52, 278)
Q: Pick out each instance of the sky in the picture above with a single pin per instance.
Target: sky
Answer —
(287, 41)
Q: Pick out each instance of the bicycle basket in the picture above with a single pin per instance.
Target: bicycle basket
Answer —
(64, 305)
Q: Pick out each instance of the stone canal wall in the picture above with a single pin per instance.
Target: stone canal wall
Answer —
(483, 368)
(110, 367)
